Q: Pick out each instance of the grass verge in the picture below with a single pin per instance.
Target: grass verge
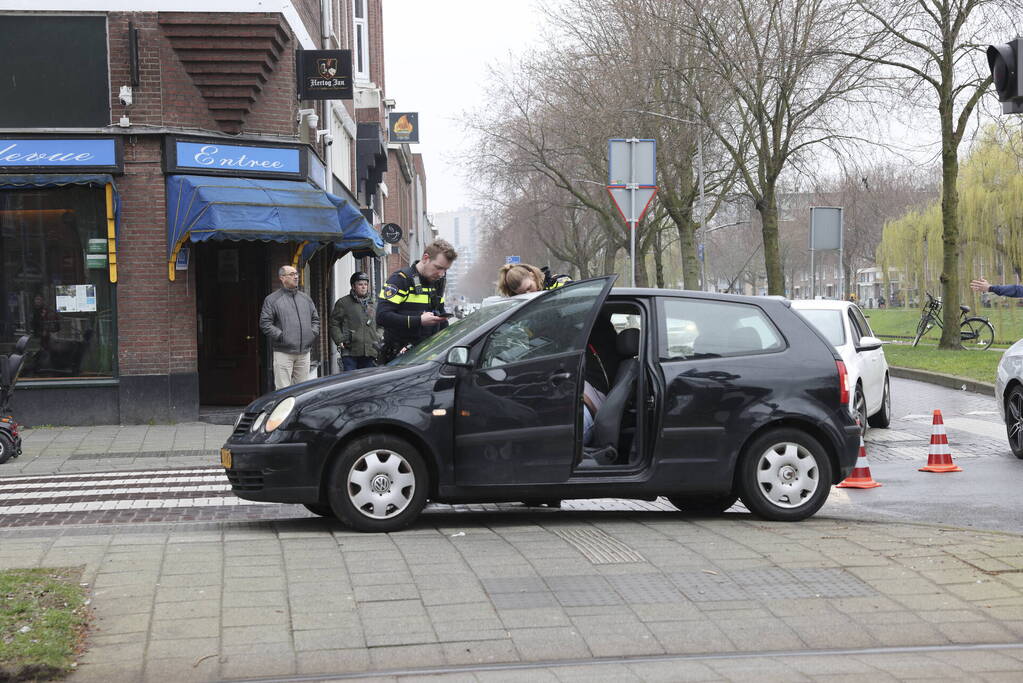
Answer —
(976, 365)
(43, 620)
(901, 322)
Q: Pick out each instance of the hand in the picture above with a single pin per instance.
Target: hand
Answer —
(980, 285)
(428, 318)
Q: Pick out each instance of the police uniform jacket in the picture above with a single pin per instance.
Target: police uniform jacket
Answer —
(403, 299)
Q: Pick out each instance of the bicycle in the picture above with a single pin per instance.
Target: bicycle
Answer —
(975, 334)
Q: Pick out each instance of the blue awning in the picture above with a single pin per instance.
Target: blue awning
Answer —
(201, 208)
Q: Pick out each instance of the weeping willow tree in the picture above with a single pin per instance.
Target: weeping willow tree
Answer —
(990, 210)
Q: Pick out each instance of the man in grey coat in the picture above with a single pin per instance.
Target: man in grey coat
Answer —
(291, 323)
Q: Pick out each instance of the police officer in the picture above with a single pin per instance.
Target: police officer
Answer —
(411, 304)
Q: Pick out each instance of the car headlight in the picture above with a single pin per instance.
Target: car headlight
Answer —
(258, 422)
(279, 414)
(238, 419)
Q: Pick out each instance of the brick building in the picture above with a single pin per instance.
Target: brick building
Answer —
(156, 169)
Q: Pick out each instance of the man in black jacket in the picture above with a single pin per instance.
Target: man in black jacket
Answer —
(353, 326)
(291, 323)
(411, 304)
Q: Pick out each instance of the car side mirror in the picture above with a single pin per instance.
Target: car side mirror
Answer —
(869, 344)
(459, 357)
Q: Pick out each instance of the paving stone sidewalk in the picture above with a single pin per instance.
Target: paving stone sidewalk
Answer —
(307, 597)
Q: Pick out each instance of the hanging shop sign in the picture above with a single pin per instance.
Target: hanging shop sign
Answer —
(49, 155)
(252, 160)
(391, 232)
(403, 127)
(324, 75)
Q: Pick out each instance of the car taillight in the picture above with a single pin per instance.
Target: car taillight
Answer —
(843, 383)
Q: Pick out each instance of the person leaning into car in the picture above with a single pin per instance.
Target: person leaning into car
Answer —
(353, 326)
(410, 307)
(982, 285)
(291, 323)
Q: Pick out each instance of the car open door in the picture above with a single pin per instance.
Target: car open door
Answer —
(518, 408)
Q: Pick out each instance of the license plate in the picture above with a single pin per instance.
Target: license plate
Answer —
(225, 457)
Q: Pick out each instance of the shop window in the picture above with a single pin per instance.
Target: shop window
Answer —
(54, 282)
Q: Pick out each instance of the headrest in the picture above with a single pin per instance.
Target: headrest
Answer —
(628, 342)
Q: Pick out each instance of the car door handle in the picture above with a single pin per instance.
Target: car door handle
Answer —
(558, 376)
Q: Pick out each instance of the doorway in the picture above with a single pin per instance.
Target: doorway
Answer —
(232, 283)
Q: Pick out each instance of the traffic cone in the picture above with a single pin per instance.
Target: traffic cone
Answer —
(860, 477)
(939, 458)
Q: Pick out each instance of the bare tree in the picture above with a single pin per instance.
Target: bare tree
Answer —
(788, 90)
(936, 44)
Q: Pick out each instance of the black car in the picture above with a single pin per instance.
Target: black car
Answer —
(709, 398)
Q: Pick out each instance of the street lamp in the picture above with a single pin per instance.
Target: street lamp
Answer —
(699, 160)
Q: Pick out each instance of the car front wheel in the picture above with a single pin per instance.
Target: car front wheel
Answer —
(1014, 421)
(883, 417)
(6, 448)
(784, 475)
(860, 406)
(379, 483)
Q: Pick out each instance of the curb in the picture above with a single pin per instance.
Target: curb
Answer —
(949, 381)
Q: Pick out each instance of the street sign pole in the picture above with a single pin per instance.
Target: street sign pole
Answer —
(632, 171)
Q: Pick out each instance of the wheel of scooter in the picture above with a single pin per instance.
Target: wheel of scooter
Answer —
(7, 449)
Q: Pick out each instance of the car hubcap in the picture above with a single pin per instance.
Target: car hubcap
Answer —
(861, 412)
(381, 484)
(787, 475)
(1014, 421)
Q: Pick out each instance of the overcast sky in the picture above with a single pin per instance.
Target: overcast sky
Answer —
(436, 52)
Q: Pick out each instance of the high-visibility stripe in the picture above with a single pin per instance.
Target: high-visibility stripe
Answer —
(417, 299)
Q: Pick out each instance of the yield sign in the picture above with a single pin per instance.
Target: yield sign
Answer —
(632, 210)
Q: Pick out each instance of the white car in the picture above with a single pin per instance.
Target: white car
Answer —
(842, 323)
(1009, 392)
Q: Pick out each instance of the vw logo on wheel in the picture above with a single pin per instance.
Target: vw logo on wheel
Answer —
(381, 484)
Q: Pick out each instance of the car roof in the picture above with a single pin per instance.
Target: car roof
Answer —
(821, 304)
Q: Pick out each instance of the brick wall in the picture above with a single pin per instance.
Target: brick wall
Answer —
(155, 317)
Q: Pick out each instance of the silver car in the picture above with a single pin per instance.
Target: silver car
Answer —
(1009, 392)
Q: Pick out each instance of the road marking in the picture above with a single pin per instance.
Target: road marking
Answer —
(100, 475)
(81, 493)
(91, 506)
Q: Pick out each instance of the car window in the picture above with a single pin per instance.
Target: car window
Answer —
(436, 346)
(827, 322)
(708, 329)
(860, 322)
(550, 325)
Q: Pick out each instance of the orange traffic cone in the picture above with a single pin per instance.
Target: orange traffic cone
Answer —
(939, 458)
(860, 477)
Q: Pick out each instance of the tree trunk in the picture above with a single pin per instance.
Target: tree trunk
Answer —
(768, 209)
(658, 261)
(949, 231)
(610, 251)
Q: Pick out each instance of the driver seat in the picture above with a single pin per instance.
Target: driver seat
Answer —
(607, 423)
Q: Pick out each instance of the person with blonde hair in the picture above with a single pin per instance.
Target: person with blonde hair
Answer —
(519, 278)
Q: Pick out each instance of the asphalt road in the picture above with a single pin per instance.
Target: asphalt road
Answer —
(985, 495)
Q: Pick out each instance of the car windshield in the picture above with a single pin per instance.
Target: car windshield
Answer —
(436, 346)
(829, 323)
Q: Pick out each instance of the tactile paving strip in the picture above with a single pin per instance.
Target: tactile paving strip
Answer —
(597, 546)
(646, 589)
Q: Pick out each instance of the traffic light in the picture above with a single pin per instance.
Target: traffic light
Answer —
(1006, 62)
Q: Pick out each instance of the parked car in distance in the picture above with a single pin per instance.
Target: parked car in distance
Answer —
(709, 398)
(1009, 392)
(843, 324)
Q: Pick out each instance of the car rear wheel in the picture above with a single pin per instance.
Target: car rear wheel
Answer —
(319, 509)
(883, 417)
(784, 475)
(379, 483)
(706, 506)
(1013, 421)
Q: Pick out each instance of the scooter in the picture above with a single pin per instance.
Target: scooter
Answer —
(10, 368)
